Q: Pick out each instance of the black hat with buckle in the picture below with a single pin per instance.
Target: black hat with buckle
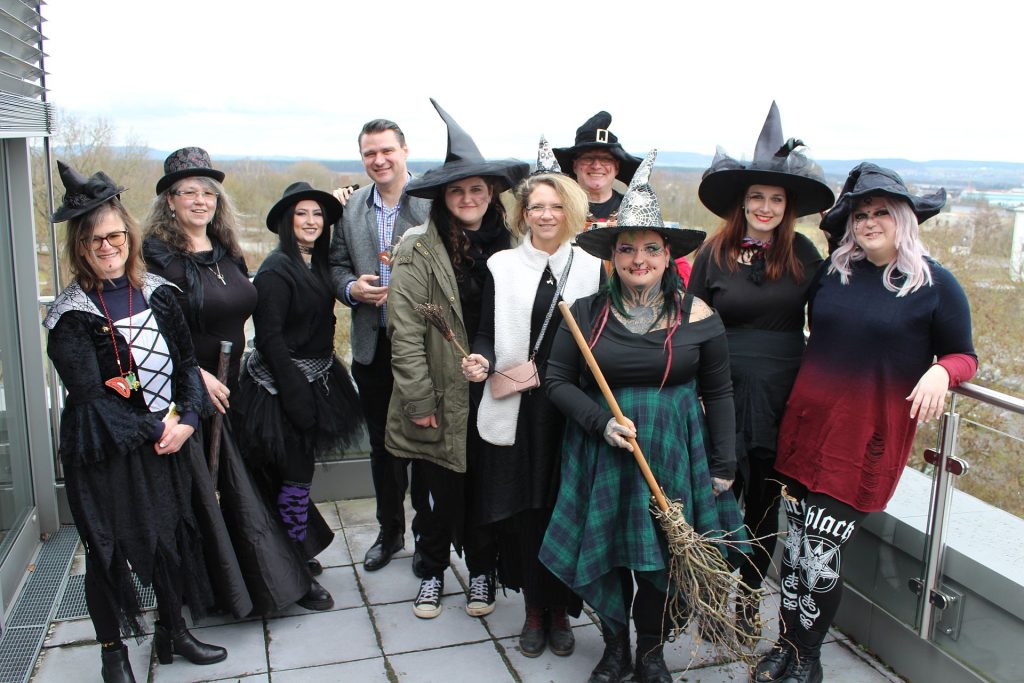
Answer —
(594, 135)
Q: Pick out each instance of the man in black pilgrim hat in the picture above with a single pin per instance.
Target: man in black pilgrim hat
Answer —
(375, 218)
(596, 161)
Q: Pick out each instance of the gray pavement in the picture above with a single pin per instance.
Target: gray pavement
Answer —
(372, 635)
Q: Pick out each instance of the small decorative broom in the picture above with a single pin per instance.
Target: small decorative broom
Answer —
(433, 314)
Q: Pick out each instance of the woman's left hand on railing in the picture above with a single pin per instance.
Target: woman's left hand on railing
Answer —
(929, 395)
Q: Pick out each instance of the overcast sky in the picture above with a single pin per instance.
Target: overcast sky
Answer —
(854, 80)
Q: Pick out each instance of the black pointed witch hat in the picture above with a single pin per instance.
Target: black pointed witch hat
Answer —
(82, 194)
(464, 160)
(867, 179)
(776, 162)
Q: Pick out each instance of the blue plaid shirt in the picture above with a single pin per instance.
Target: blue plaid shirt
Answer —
(385, 234)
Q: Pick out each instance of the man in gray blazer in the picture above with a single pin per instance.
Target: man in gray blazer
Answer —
(374, 220)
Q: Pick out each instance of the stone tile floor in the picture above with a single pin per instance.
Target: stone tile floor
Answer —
(372, 635)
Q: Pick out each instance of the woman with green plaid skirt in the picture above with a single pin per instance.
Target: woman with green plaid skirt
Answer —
(663, 353)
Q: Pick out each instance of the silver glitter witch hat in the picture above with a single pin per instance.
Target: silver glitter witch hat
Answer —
(639, 211)
(546, 161)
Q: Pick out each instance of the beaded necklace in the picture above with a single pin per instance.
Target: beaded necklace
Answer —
(126, 381)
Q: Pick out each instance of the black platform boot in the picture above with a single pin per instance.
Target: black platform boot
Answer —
(116, 667)
(805, 666)
(772, 666)
(650, 660)
(616, 662)
(185, 644)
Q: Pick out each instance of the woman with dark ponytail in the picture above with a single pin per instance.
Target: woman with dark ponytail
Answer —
(296, 401)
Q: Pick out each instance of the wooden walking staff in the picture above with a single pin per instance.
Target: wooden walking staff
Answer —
(703, 579)
(217, 425)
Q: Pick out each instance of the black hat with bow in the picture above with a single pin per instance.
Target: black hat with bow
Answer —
(594, 135)
(464, 160)
(295, 193)
(868, 179)
(81, 194)
(775, 162)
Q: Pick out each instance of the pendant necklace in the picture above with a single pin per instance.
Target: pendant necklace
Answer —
(220, 276)
(125, 381)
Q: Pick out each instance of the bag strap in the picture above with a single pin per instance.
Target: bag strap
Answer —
(554, 302)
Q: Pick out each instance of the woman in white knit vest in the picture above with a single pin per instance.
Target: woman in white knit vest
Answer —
(517, 480)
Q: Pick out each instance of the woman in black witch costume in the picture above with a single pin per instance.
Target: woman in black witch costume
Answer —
(756, 273)
(191, 241)
(296, 401)
(120, 345)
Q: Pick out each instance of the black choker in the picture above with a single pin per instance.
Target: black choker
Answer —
(305, 250)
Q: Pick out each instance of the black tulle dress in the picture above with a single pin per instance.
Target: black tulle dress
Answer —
(296, 401)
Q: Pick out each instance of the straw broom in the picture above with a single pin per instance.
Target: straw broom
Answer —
(434, 316)
(703, 581)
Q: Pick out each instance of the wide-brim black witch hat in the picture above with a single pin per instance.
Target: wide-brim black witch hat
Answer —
(775, 162)
(866, 180)
(187, 162)
(295, 193)
(640, 210)
(82, 194)
(594, 134)
(464, 160)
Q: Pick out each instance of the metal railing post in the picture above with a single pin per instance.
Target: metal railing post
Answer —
(942, 488)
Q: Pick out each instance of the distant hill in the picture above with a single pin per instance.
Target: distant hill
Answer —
(952, 173)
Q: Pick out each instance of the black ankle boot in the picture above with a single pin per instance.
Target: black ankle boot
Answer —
(531, 640)
(317, 598)
(615, 663)
(773, 665)
(185, 644)
(650, 660)
(116, 667)
(561, 639)
(805, 666)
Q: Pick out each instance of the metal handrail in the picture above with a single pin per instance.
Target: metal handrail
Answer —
(992, 397)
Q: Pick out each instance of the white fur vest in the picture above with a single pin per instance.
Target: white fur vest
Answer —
(517, 274)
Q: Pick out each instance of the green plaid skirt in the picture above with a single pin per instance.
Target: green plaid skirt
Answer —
(601, 520)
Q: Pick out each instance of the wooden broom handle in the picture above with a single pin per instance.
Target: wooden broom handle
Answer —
(606, 391)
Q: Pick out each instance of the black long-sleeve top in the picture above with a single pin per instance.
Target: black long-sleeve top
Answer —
(294, 318)
(699, 350)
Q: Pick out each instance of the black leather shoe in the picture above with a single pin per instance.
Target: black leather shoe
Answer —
(773, 665)
(804, 670)
(315, 568)
(116, 667)
(381, 551)
(616, 662)
(185, 644)
(316, 599)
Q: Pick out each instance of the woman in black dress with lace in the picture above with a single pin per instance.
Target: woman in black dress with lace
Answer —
(120, 345)
(191, 241)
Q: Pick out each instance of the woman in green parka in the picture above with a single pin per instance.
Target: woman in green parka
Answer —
(432, 415)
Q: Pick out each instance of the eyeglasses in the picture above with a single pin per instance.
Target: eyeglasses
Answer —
(114, 239)
(595, 161)
(192, 195)
(649, 250)
(539, 209)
